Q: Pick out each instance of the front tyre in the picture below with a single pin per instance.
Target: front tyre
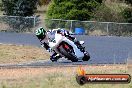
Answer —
(86, 56)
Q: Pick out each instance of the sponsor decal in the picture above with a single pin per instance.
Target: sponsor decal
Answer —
(83, 78)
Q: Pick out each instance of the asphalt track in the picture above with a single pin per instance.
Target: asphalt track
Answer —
(102, 49)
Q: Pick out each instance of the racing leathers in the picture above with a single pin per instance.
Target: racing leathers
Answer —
(46, 42)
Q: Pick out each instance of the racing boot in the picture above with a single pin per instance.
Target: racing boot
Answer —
(55, 57)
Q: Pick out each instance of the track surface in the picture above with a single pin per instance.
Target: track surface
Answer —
(103, 49)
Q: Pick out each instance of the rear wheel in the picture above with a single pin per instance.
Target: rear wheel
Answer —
(86, 56)
(70, 55)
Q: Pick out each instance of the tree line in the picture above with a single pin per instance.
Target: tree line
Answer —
(68, 9)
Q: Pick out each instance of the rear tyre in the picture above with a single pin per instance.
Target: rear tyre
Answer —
(86, 56)
(70, 56)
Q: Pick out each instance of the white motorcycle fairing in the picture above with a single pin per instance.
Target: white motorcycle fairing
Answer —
(59, 38)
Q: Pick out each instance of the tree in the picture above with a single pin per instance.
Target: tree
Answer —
(72, 9)
(127, 12)
(19, 7)
(129, 1)
(8, 6)
(104, 13)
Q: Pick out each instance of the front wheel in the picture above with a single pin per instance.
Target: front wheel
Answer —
(86, 56)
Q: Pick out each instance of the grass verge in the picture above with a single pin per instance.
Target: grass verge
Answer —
(20, 53)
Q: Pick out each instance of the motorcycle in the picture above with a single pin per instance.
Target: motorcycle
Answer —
(68, 49)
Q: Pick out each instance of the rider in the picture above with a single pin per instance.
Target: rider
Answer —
(44, 37)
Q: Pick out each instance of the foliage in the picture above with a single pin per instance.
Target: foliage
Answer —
(19, 7)
(72, 9)
(8, 6)
(127, 13)
(129, 1)
(103, 13)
